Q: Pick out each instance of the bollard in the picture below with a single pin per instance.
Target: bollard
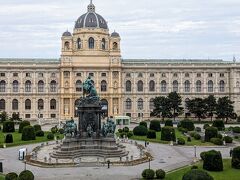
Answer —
(131, 157)
(120, 158)
(127, 158)
(49, 159)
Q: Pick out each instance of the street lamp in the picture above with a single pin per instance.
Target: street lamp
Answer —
(149, 162)
(195, 153)
(171, 143)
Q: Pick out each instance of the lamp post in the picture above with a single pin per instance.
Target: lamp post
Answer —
(195, 153)
(149, 162)
(39, 115)
(171, 143)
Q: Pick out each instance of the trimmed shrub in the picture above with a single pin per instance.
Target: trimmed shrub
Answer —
(236, 158)
(11, 176)
(160, 174)
(28, 133)
(61, 131)
(196, 174)
(8, 126)
(236, 129)
(140, 131)
(22, 125)
(189, 139)
(202, 155)
(126, 129)
(210, 132)
(169, 123)
(198, 129)
(150, 174)
(236, 137)
(151, 134)
(192, 134)
(9, 138)
(168, 134)
(183, 130)
(50, 136)
(143, 123)
(219, 136)
(228, 139)
(37, 127)
(129, 134)
(197, 136)
(187, 124)
(144, 173)
(26, 175)
(180, 141)
(194, 167)
(212, 161)
(219, 124)
(39, 133)
(122, 134)
(120, 130)
(205, 126)
(54, 130)
(216, 141)
(155, 125)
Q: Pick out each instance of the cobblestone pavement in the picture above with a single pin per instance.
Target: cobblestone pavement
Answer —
(165, 156)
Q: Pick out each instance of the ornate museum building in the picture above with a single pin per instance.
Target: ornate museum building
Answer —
(49, 88)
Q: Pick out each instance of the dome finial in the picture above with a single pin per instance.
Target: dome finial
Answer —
(91, 7)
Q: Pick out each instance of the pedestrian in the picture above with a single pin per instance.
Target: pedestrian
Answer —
(108, 162)
(145, 143)
(231, 151)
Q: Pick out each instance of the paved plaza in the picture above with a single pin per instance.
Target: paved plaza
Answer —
(165, 156)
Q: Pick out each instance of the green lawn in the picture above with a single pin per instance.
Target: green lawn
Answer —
(178, 135)
(228, 173)
(2, 177)
(17, 139)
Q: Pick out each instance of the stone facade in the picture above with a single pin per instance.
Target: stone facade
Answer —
(49, 88)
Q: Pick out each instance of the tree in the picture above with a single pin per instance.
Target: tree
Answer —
(3, 116)
(197, 107)
(15, 116)
(175, 102)
(162, 108)
(224, 108)
(211, 105)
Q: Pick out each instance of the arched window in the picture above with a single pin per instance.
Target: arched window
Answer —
(198, 86)
(15, 104)
(2, 86)
(175, 86)
(40, 86)
(2, 104)
(222, 86)
(66, 45)
(187, 86)
(78, 86)
(103, 86)
(79, 43)
(128, 104)
(151, 104)
(40, 104)
(163, 86)
(210, 86)
(28, 86)
(91, 43)
(53, 104)
(151, 86)
(28, 104)
(115, 46)
(140, 104)
(53, 86)
(103, 44)
(128, 86)
(140, 86)
(15, 86)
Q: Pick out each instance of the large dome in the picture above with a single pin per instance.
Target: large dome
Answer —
(91, 19)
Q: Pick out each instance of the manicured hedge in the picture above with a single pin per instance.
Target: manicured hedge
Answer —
(26, 175)
(212, 161)
(180, 141)
(160, 174)
(187, 124)
(219, 124)
(168, 134)
(216, 141)
(143, 123)
(8, 126)
(9, 138)
(210, 132)
(205, 126)
(37, 127)
(39, 133)
(129, 134)
(126, 129)
(50, 136)
(197, 136)
(236, 129)
(61, 131)
(196, 174)
(140, 131)
(151, 134)
(236, 157)
(148, 174)
(228, 139)
(28, 133)
(11, 176)
(22, 125)
(169, 123)
(54, 130)
(155, 125)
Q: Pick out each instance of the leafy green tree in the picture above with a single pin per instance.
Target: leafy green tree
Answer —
(211, 104)
(175, 102)
(224, 108)
(3, 116)
(162, 108)
(197, 106)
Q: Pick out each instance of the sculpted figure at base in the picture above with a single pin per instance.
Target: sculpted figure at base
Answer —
(108, 129)
(70, 128)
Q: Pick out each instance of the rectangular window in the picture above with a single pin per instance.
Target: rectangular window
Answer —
(79, 74)
(104, 74)
(53, 115)
(2, 74)
(28, 75)
(128, 114)
(27, 116)
(198, 74)
(66, 74)
(91, 74)
(221, 74)
(210, 75)
(40, 74)
(53, 75)
(15, 74)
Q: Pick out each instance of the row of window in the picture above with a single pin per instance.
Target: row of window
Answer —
(28, 104)
(27, 74)
(67, 74)
(174, 75)
(175, 86)
(140, 104)
(28, 86)
(103, 86)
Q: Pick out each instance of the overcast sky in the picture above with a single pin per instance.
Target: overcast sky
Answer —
(173, 29)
